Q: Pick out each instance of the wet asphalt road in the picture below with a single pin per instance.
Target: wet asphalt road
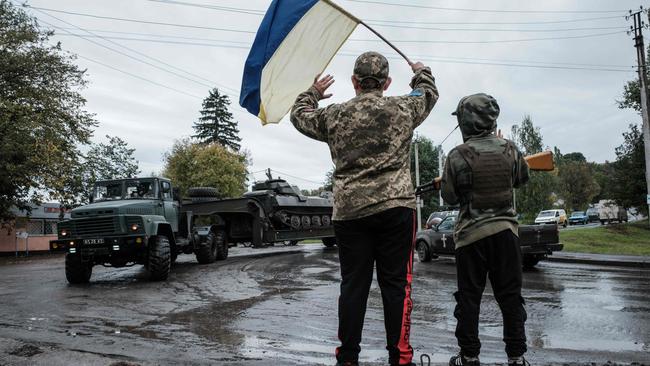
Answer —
(282, 310)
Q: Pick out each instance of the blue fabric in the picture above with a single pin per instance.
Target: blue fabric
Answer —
(279, 20)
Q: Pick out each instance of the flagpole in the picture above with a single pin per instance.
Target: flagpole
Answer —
(387, 41)
(348, 14)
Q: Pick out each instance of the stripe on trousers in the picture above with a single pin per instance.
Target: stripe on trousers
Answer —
(405, 349)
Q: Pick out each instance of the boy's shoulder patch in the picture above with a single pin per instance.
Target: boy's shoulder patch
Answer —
(416, 93)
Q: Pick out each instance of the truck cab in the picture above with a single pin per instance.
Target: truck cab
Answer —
(129, 221)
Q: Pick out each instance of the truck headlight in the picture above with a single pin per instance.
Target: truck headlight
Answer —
(135, 227)
(64, 232)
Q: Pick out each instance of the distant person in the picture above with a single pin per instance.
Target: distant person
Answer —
(370, 139)
(480, 176)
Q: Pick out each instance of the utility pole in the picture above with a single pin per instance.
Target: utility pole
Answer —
(643, 88)
(440, 203)
(417, 183)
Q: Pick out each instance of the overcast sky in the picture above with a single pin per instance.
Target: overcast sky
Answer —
(572, 98)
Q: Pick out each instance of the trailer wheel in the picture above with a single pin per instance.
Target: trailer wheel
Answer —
(424, 254)
(329, 242)
(159, 258)
(222, 245)
(207, 252)
(77, 271)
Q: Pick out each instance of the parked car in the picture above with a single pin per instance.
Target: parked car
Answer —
(536, 241)
(578, 217)
(592, 214)
(609, 211)
(436, 217)
(557, 217)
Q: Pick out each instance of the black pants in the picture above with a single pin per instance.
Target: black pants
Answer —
(498, 257)
(387, 239)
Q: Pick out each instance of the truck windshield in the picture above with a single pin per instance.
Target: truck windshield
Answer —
(140, 189)
(546, 214)
(129, 189)
(105, 191)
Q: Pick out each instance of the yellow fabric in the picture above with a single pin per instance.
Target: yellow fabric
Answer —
(305, 52)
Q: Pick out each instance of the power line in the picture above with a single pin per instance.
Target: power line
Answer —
(141, 21)
(139, 77)
(213, 7)
(433, 59)
(294, 177)
(496, 29)
(375, 21)
(163, 41)
(485, 10)
(452, 60)
(494, 41)
(212, 83)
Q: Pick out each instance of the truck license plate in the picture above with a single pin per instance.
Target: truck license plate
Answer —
(93, 241)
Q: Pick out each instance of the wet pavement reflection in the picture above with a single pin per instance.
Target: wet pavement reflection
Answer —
(283, 308)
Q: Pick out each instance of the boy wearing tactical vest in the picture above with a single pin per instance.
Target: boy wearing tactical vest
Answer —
(480, 175)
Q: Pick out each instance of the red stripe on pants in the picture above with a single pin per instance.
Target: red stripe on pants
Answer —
(404, 346)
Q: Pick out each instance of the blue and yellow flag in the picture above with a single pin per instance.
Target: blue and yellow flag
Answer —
(296, 40)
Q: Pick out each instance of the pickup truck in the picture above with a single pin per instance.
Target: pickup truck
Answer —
(537, 241)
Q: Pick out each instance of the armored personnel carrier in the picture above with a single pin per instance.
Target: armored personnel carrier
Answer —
(273, 211)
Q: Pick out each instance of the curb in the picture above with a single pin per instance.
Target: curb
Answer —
(601, 262)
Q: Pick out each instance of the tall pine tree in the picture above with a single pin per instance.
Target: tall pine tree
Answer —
(216, 124)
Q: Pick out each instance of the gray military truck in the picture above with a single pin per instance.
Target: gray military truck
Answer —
(145, 221)
(128, 222)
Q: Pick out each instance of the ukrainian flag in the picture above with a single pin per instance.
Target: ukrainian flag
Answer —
(296, 40)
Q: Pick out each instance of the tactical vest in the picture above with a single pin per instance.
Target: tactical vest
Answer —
(487, 184)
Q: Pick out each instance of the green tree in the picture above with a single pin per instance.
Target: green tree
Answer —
(111, 160)
(603, 175)
(536, 195)
(632, 90)
(576, 184)
(628, 184)
(428, 161)
(216, 124)
(42, 120)
(191, 164)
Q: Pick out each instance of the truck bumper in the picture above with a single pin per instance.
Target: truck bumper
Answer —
(123, 245)
(542, 249)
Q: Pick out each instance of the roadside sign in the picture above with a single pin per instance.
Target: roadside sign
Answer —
(22, 234)
(648, 199)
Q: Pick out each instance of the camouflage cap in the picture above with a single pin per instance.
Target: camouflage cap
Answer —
(477, 115)
(371, 65)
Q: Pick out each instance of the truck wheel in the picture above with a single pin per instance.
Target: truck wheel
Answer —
(77, 271)
(207, 252)
(222, 245)
(329, 242)
(424, 254)
(159, 259)
(530, 261)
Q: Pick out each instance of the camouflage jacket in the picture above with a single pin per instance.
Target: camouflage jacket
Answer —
(476, 225)
(369, 139)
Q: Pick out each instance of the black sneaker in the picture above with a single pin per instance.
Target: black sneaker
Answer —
(518, 362)
(460, 360)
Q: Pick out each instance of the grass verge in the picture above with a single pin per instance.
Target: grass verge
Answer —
(629, 239)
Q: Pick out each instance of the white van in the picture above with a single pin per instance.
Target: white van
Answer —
(552, 217)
